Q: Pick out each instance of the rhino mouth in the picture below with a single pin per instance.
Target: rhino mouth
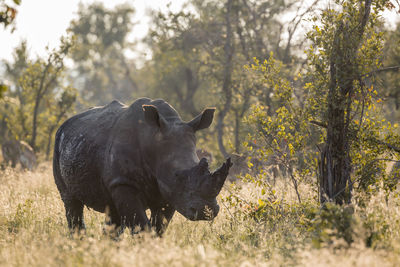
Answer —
(206, 214)
(202, 187)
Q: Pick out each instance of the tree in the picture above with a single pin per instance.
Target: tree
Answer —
(202, 53)
(179, 61)
(347, 47)
(7, 16)
(389, 76)
(14, 94)
(337, 131)
(57, 112)
(8, 12)
(102, 70)
(249, 29)
(39, 97)
(38, 81)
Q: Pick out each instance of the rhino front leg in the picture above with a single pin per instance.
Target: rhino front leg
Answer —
(130, 208)
(160, 218)
(113, 221)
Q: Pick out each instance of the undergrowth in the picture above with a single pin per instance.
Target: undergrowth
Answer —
(255, 227)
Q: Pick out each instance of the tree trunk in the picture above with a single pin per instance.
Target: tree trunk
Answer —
(335, 162)
(34, 123)
(227, 76)
(237, 131)
(191, 88)
(49, 139)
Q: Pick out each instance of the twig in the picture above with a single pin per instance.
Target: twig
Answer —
(318, 123)
(395, 148)
(391, 68)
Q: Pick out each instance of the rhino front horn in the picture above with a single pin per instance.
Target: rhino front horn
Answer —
(219, 177)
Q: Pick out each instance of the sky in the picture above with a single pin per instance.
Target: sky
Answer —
(43, 22)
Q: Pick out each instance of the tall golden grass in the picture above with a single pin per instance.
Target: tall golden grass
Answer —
(33, 232)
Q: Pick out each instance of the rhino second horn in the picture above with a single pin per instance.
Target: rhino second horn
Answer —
(219, 177)
(203, 164)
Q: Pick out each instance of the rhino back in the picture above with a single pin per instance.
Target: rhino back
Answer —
(79, 153)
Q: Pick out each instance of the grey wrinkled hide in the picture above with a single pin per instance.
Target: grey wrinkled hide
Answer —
(124, 160)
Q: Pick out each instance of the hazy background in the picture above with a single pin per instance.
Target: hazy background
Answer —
(43, 22)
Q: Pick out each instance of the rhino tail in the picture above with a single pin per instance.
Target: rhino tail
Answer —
(62, 187)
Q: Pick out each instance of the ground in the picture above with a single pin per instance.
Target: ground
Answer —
(33, 232)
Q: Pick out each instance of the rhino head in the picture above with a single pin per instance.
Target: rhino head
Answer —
(183, 180)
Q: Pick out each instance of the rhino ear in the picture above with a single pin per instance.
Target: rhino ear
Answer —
(203, 120)
(153, 118)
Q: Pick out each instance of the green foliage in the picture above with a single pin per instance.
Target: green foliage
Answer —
(8, 12)
(198, 59)
(3, 88)
(40, 83)
(390, 79)
(292, 131)
(281, 136)
(176, 40)
(23, 217)
(271, 208)
(341, 225)
(102, 71)
(333, 223)
(39, 98)
(322, 51)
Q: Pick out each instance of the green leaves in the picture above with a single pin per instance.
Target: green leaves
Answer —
(281, 136)
(40, 99)
(3, 88)
(291, 131)
(99, 54)
(8, 13)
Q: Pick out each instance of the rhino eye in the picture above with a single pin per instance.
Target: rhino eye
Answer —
(179, 176)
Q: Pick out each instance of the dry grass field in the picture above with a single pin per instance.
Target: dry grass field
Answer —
(33, 232)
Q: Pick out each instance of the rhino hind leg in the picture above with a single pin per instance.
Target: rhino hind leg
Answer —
(74, 214)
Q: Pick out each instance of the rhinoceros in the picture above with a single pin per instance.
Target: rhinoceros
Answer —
(123, 160)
